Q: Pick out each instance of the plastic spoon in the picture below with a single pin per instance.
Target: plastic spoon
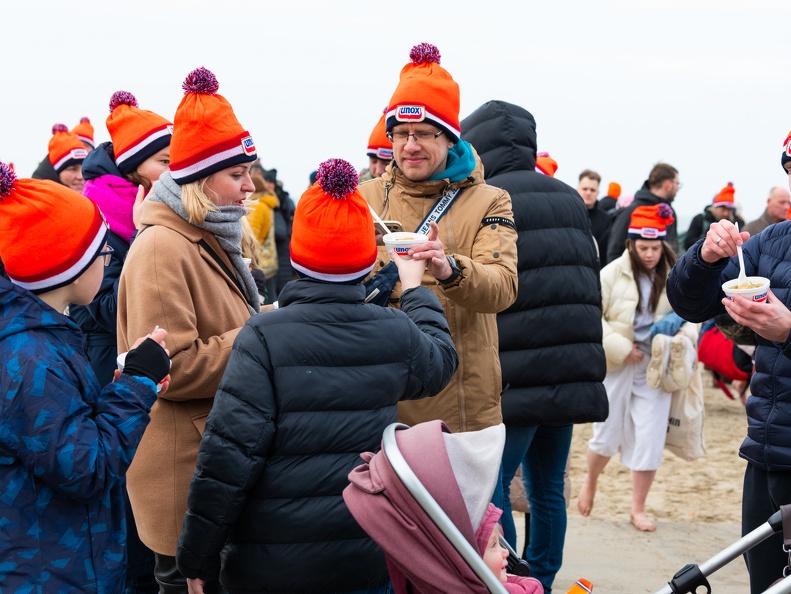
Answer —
(378, 220)
(742, 275)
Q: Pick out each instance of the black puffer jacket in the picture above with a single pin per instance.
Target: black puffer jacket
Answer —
(550, 338)
(308, 387)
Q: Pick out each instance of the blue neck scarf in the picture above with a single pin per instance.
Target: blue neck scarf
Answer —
(460, 164)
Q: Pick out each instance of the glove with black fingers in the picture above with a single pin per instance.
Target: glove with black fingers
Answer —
(149, 360)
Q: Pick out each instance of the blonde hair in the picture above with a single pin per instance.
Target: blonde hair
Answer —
(196, 202)
(250, 245)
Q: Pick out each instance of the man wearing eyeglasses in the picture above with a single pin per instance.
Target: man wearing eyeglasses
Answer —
(662, 185)
(471, 252)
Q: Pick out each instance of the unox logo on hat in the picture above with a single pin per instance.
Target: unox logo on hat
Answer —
(248, 145)
(649, 233)
(384, 153)
(410, 113)
(78, 153)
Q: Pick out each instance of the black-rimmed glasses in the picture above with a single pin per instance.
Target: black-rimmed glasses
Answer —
(106, 253)
(420, 137)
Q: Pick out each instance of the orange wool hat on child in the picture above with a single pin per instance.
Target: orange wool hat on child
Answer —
(650, 222)
(137, 134)
(725, 197)
(65, 149)
(379, 145)
(546, 164)
(84, 131)
(207, 137)
(614, 190)
(426, 93)
(332, 237)
(51, 234)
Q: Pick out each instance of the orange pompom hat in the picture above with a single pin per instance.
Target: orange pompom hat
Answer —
(546, 164)
(650, 222)
(786, 156)
(84, 131)
(65, 149)
(207, 137)
(137, 134)
(379, 145)
(426, 93)
(614, 190)
(332, 237)
(51, 234)
(725, 197)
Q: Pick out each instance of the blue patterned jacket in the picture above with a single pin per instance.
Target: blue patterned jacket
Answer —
(65, 444)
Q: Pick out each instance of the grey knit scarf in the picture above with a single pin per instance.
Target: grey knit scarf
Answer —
(224, 225)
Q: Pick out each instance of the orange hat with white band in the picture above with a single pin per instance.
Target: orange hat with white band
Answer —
(137, 134)
(65, 149)
(546, 164)
(51, 234)
(84, 131)
(725, 197)
(650, 222)
(379, 145)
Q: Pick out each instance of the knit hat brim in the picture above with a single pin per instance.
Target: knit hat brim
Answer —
(235, 152)
(144, 148)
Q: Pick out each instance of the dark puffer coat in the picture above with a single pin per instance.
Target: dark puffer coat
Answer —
(308, 387)
(551, 337)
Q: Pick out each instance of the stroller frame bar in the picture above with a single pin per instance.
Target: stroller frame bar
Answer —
(689, 579)
(434, 511)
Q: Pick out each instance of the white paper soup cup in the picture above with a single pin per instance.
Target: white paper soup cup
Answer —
(757, 292)
(402, 242)
(121, 359)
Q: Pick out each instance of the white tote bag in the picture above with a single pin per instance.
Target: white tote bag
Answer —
(685, 422)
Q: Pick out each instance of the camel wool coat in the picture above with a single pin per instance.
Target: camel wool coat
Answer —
(171, 281)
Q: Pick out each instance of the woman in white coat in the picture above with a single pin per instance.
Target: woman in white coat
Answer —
(633, 299)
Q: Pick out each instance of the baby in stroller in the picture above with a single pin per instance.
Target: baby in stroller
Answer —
(425, 499)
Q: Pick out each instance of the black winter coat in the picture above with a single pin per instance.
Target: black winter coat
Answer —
(551, 338)
(620, 225)
(308, 387)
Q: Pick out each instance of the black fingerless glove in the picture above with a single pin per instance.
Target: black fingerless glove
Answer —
(148, 360)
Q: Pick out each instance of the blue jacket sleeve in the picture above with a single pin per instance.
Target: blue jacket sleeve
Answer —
(77, 449)
(434, 358)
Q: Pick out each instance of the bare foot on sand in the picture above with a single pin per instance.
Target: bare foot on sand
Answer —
(585, 499)
(642, 523)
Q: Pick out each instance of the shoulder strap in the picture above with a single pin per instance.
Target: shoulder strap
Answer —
(441, 206)
(221, 264)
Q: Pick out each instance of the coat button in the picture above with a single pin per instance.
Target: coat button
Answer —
(496, 254)
(494, 225)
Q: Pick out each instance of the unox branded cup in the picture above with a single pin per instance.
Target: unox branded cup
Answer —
(757, 292)
(402, 242)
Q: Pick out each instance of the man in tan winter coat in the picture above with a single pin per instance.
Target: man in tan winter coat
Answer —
(471, 252)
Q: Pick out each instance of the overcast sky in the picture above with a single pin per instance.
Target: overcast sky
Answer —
(615, 85)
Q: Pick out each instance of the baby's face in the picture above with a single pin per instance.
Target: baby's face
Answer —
(496, 556)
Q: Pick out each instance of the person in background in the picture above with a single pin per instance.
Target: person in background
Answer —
(284, 216)
(65, 154)
(470, 252)
(694, 289)
(262, 224)
(117, 174)
(588, 188)
(66, 442)
(721, 207)
(777, 204)
(661, 186)
(550, 339)
(608, 202)
(307, 388)
(185, 272)
(633, 300)
(380, 151)
(84, 131)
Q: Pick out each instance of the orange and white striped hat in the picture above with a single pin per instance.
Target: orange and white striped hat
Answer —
(65, 149)
(84, 131)
(136, 133)
(379, 145)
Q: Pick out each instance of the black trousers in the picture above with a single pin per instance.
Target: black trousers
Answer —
(762, 495)
(170, 579)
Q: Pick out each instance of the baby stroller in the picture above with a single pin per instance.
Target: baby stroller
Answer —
(418, 498)
(692, 578)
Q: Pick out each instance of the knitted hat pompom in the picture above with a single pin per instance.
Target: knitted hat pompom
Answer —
(59, 128)
(664, 211)
(85, 120)
(122, 98)
(7, 179)
(201, 81)
(424, 53)
(337, 178)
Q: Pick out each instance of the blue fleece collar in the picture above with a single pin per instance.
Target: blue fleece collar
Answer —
(461, 162)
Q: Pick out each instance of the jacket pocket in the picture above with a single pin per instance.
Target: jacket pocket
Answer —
(200, 423)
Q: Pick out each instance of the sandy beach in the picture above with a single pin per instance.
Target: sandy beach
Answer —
(696, 505)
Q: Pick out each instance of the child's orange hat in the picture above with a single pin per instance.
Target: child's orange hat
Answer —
(332, 237)
(51, 234)
(379, 145)
(136, 133)
(207, 137)
(614, 190)
(84, 131)
(426, 93)
(546, 164)
(725, 197)
(650, 222)
(65, 149)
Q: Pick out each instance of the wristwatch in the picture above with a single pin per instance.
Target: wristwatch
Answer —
(455, 271)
